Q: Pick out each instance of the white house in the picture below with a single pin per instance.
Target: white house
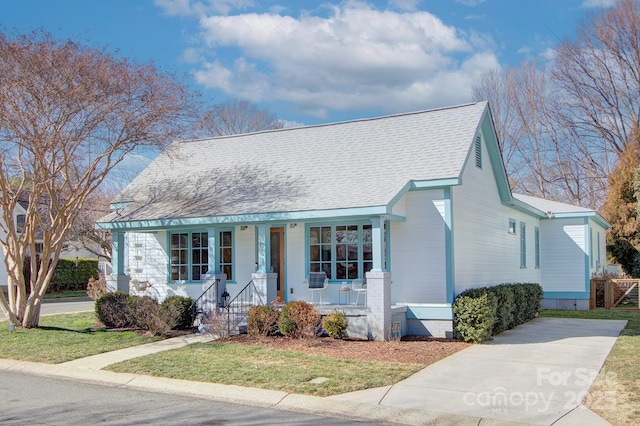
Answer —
(418, 204)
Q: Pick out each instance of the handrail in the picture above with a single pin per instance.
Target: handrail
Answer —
(238, 308)
(207, 295)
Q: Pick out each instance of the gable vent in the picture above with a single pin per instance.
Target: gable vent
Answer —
(478, 147)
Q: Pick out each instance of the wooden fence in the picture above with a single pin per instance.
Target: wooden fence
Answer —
(611, 293)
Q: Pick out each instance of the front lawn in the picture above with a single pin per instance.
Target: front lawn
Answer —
(259, 367)
(61, 338)
(615, 394)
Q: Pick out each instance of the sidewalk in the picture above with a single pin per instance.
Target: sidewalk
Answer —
(534, 374)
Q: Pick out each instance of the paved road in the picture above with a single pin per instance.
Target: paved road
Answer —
(51, 308)
(30, 399)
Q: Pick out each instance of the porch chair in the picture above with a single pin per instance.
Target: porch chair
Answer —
(360, 287)
(317, 282)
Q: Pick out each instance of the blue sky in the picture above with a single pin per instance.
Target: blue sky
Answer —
(313, 62)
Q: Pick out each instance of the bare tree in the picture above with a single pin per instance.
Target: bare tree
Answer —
(68, 115)
(599, 75)
(96, 241)
(236, 116)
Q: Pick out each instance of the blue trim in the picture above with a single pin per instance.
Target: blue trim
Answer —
(119, 206)
(581, 295)
(587, 255)
(247, 218)
(448, 244)
(434, 184)
(435, 312)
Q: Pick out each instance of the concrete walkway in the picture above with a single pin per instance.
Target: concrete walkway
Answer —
(534, 374)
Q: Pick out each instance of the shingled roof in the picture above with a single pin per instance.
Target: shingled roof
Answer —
(354, 164)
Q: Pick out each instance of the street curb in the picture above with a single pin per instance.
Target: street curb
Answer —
(242, 395)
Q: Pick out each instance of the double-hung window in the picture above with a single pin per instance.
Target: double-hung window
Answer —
(523, 245)
(341, 251)
(190, 255)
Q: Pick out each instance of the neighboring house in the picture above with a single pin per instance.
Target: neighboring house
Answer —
(19, 215)
(418, 204)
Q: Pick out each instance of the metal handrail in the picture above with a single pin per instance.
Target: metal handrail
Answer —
(209, 294)
(238, 308)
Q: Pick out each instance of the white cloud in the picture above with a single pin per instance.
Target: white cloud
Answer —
(587, 4)
(549, 54)
(356, 57)
(405, 4)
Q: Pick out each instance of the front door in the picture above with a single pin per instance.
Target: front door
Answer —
(277, 258)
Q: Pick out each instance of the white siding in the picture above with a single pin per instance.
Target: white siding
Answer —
(418, 262)
(564, 246)
(295, 264)
(4, 277)
(485, 252)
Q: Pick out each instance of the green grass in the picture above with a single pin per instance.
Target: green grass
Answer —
(620, 375)
(66, 293)
(242, 365)
(61, 338)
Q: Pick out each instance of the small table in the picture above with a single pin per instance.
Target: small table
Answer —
(347, 294)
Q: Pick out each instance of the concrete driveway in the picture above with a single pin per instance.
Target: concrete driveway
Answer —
(537, 373)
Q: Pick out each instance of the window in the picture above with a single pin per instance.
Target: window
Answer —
(536, 235)
(478, 151)
(341, 251)
(189, 256)
(523, 245)
(20, 221)
(512, 226)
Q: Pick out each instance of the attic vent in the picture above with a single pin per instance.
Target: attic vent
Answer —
(478, 147)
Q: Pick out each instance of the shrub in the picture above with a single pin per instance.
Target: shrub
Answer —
(114, 310)
(73, 274)
(262, 321)
(147, 315)
(335, 324)
(298, 319)
(177, 312)
(479, 313)
(504, 308)
(473, 317)
(96, 288)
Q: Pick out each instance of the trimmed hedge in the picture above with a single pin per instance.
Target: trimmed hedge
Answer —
(69, 276)
(480, 313)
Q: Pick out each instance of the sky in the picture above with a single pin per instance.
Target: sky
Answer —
(311, 62)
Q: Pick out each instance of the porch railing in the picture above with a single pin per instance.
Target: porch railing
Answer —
(238, 308)
(206, 304)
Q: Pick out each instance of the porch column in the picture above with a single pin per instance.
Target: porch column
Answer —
(266, 287)
(119, 280)
(378, 305)
(263, 247)
(377, 243)
(213, 250)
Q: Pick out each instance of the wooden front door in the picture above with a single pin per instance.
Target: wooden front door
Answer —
(277, 258)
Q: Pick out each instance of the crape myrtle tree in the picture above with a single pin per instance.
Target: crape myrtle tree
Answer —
(69, 114)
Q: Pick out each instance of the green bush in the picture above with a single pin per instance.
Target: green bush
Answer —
(72, 274)
(299, 319)
(504, 307)
(177, 312)
(474, 317)
(479, 313)
(114, 310)
(262, 321)
(335, 324)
